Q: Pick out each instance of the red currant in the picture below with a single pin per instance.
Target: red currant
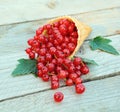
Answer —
(77, 61)
(58, 96)
(80, 88)
(69, 82)
(78, 80)
(45, 77)
(54, 84)
(62, 74)
(84, 69)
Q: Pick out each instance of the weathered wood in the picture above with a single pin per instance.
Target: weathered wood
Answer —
(109, 65)
(100, 96)
(107, 23)
(27, 10)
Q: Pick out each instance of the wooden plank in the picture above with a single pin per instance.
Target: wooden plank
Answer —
(28, 10)
(100, 96)
(109, 65)
(107, 23)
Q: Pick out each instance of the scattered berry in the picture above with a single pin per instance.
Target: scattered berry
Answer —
(80, 88)
(58, 96)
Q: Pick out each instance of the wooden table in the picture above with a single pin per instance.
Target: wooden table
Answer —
(18, 22)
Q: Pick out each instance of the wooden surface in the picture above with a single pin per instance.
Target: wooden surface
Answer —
(19, 20)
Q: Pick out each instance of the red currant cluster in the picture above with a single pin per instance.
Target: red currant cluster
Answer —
(51, 47)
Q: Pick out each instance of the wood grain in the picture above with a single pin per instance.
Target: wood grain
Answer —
(100, 96)
(28, 10)
(12, 87)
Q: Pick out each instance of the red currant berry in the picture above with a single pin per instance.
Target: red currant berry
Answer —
(42, 51)
(58, 69)
(52, 50)
(66, 52)
(59, 39)
(67, 62)
(41, 59)
(71, 68)
(63, 29)
(54, 78)
(30, 42)
(74, 34)
(78, 81)
(71, 46)
(44, 69)
(80, 88)
(28, 50)
(56, 24)
(73, 76)
(40, 66)
(35, 43)
(54, 84)
(31, 55)
(49, 45)
(62, 74)
(45, 77)
(66, 39)
(54, 61)
(50, 67)
(36, 37)
(39, 73)
(78, 73)
(58, 96)
(39, 31)
(77, 61)
(48, 57)
(84, 69)
(77, 67)
(42, 38)
(71, 28)
(59, 61)
(69, 82)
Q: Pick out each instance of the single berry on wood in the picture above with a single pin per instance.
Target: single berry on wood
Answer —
(58, 96)
(80, 88)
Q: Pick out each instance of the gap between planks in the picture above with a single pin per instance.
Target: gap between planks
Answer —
(31, 10)
(103, 95)
(84, 81)
(46, 19)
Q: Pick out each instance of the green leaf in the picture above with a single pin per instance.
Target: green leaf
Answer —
(88, 61)
(25, 66)
(102, 44)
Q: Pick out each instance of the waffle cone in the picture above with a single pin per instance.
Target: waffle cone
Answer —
(82, 29)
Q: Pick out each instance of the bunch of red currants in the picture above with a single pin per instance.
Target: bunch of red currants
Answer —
(51, 47)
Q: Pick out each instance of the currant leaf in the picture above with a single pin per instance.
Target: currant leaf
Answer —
(88, 61)
(103, 44)
(25, 67)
